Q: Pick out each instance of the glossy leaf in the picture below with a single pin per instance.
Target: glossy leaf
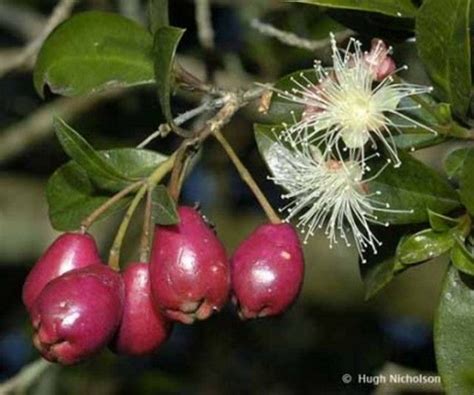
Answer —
(412, 187)
(462, 258)
(423, 246)
(72, 196)
(93, 51)
(381, 268)
(158, 14)
(441, 223)
(453, 333)
(87, 157)
(460, 163)
(164, 50)
(398, 8)
(443, 42)
(164, 211)
(455, 161)
(282, 110)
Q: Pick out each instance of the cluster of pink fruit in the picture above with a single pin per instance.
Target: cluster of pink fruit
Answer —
(78, 305)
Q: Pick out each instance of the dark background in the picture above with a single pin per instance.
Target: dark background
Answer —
(329, 332)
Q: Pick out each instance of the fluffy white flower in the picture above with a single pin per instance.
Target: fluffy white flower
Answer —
(350, 103)
(327, 193)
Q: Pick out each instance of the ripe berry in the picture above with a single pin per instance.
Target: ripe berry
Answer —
(189, 269)
(142, 329)
(69, 251)
(77, 314)
(267, 271)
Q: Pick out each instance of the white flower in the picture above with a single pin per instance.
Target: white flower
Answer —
(349, 104)
(327, 193)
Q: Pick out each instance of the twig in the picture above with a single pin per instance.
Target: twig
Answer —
(61, 12)
(164, 128)
(161, 171)
(204, 24)
(131, 9)
(109, 203)
(147, 223)
(21, 20)
(247, 178)
(20, 136)
(294, 40)
(25, 378)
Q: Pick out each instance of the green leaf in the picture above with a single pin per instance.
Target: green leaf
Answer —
(165, 45)
(441, 223)
(282, 110)
(453, 333)
(460, 163)
(158, 14)
(134, 163)
(399, 8)
(94, 51)
(381, 268)
(461, 257)
(443, 41)
(72, 196)
(85, 156)
(455, 161)
(412, 187)
(423, 246)
(164, 211)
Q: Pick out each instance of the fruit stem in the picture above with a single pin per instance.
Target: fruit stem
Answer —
(145, 239)
(247, 177)
(86, 224)
(183, 157)
(161, 171)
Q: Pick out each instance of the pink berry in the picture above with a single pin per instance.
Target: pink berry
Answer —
(142, 329)
(77, 314)
(69, 251)
(267, 271)
(189, 269)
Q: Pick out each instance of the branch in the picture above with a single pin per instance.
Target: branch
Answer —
(21, 21)
(294, 40)
(19, 137)
(61, 12)
(204, 24)
(25, 378)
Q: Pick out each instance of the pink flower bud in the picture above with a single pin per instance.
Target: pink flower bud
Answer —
(379, 60)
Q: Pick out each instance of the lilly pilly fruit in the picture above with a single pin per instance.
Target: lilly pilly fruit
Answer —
(69, 251)
(267, 271)
(190, 276)
(76, 314)
(142, 329)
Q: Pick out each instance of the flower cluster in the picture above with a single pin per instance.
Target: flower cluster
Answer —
(349, 109)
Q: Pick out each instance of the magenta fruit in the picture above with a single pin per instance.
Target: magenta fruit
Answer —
(142, 329)
(69, 251)
(267, 271)
(189, 270)
(77, 314)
